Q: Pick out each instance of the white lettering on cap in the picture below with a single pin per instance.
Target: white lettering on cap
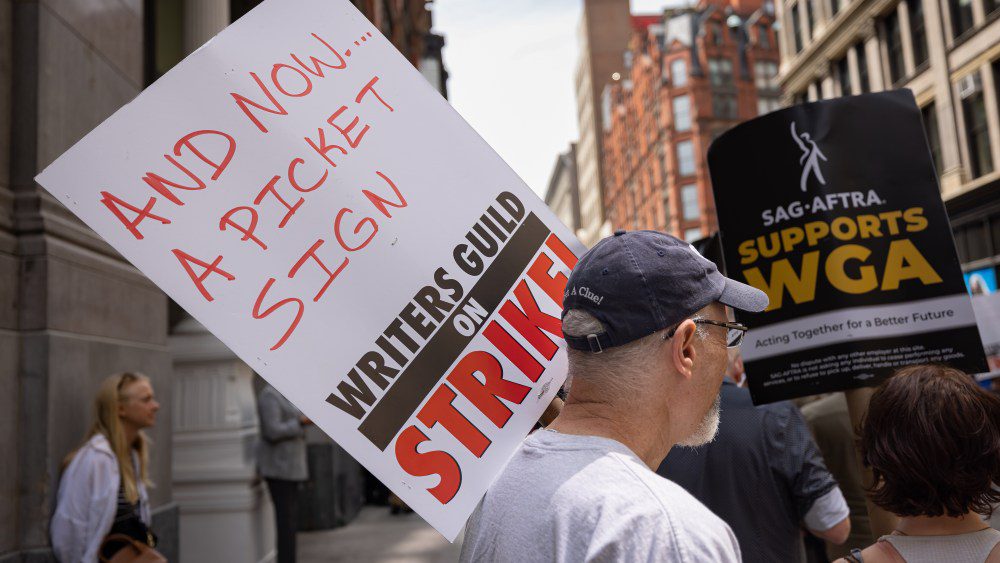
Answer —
(590, 295)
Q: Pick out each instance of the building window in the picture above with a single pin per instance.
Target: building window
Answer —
(961, 16)
(818, 87)
(763, 38)
(679, 73)
(689, 202)
(990, 6)
(724, 105)
(844, 77)
(163, 45)
(685, 158)
(796, 28)
(834, 7)
(766, 75)
(767, 105)
(691, 235)
(918, 31)
(995, 67)
(715, 34)
(720, 72)
(859, 51)
(810, 8)
(682, 113)
(734, 34)
(933, 139)
(977, 128)
(894, 46)
(972, 240)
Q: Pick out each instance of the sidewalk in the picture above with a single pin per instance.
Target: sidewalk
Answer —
(375, 535)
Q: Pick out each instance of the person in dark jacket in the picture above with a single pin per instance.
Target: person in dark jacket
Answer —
(763, 475)
(830, 424)
(281, 461)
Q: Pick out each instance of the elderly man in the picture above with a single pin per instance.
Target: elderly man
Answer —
(644, 316)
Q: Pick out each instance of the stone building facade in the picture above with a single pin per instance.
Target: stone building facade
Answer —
(948, 53)
(563, 193)
(73, 311)
(603, 34)
(689, 75)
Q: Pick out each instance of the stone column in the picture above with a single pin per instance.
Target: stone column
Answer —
(873, 54)
(903, 13)
(821, 13)
(827, 87)
(943, 18)
(852, 67)
(822, 72)
(992, 111)
(813, 93)
(978, 12)
(215, 418)
(225, 514)
(944, 101)
(807, 31)
(784, 32)
(202, 20)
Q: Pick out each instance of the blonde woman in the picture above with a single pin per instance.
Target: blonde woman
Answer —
(103, 488)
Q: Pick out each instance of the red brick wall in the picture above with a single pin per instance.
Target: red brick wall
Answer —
(404, 22)
(643, 182)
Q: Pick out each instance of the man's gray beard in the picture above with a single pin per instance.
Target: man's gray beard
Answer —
(708, 428)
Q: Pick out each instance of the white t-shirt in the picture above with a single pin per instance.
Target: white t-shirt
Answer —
(575, 498)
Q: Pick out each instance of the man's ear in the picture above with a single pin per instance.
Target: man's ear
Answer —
(682, 353)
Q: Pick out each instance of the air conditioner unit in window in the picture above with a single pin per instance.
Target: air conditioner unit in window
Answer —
(969, 85)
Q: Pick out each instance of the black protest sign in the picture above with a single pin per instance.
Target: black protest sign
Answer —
(833, 209)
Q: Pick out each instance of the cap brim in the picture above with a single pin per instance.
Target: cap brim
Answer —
(743, 297)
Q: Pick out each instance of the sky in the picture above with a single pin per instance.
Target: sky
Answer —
(511, 65)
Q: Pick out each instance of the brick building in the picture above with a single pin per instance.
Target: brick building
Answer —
(690, 74)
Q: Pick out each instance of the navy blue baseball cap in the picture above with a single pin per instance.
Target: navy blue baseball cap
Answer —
(637, 283)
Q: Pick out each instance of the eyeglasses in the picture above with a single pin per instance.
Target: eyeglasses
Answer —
(734, 333)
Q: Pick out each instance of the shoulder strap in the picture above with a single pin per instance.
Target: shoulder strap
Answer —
(994, 556)
(889, 550)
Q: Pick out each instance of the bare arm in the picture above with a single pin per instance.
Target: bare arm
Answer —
(994, 556)
(837, 534)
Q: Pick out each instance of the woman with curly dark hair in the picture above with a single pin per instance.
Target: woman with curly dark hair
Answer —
(932, 440)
